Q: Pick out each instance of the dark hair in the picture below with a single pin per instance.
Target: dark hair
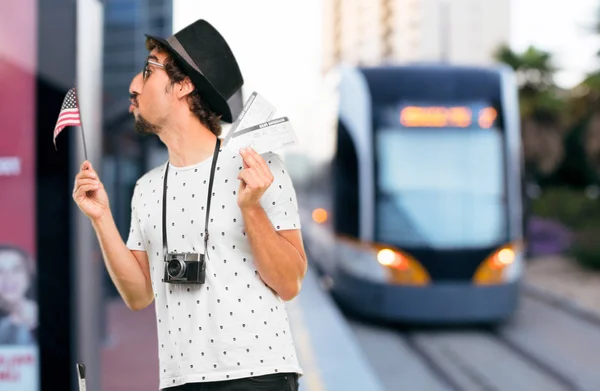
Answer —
(197, 106)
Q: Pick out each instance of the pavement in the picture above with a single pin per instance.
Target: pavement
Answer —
(563, 278)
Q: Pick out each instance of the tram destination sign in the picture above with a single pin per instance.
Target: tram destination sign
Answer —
(443, 116)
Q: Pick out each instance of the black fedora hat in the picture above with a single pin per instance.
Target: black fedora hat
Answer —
(207, 59)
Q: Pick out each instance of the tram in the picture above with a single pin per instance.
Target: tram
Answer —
(424, 222)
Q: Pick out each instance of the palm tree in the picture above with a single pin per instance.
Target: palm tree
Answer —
(584, 112)
(541, 105)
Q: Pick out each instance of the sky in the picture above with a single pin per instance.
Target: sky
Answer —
(561, 27)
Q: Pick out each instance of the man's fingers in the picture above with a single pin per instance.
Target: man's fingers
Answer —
(87, 181)
(255, 161)
(82, 190)
(250, 159)
(246, 159)
(254, 178)
(261, 162)
(85, 175)
(86, 165)
(248, 177)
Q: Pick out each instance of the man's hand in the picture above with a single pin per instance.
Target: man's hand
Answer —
(89, 193)
(255, 179)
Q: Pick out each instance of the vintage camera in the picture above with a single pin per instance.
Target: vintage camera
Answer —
(185, 268)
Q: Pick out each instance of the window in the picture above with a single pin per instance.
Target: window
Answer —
(440, 188)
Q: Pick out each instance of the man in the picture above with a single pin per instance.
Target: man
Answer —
(226, 329)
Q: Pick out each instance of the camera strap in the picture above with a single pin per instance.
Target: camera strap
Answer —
(208, 197)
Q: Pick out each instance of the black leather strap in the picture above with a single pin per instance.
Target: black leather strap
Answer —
(164, 213)
(208, 197)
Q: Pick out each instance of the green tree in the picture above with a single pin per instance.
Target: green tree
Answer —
(541, 105)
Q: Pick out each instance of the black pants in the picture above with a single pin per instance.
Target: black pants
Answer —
(273, 382)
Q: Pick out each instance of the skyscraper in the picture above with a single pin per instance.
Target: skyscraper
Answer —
(125, 23)
(398, 31)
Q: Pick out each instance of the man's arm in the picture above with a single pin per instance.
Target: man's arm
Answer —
(271, 223)
(129, 270)
(279, 255)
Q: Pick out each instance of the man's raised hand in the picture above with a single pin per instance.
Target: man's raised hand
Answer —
(89, 193)
(255, 178)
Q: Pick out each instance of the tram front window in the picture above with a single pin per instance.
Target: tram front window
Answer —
(440, 188)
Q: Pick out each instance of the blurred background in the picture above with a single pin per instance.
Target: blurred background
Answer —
(447, 171)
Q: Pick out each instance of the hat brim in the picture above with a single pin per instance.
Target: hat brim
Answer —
(209, 94)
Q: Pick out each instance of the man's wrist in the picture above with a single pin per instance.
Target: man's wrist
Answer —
(102, 221)
(251, 209)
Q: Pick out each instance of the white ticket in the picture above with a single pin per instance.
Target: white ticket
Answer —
(256, 110)
(266, 137)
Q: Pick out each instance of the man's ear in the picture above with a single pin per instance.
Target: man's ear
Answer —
(184, 88)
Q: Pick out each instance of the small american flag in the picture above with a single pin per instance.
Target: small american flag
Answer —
(69, 114)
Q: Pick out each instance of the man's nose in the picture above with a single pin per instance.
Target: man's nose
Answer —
(136, 84)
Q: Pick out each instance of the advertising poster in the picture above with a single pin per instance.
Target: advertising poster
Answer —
(18, 304)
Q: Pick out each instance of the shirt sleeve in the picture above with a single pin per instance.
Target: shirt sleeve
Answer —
(135, 241)
(279, 201)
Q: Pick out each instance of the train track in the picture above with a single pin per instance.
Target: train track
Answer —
(556, 352)
(484, 360)
(546, 348)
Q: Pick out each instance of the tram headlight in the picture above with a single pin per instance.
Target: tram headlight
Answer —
(393, 266)
(402, 268)
(319, 215)
(502, 266)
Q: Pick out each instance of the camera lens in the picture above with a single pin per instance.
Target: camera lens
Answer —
(176, 268)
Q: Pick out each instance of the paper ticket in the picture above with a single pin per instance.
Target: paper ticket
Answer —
(256, 110)
(266, 137)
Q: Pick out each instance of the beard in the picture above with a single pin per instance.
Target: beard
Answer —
(143, 126)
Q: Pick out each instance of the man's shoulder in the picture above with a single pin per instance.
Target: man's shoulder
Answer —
(151, 176)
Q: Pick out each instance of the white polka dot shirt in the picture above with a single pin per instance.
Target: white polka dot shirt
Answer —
(234, 325)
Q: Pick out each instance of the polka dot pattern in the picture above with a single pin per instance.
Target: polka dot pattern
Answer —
(234, 324)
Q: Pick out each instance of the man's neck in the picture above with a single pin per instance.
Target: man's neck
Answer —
(188, 145)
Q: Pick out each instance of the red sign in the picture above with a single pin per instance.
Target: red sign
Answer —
(18, 308)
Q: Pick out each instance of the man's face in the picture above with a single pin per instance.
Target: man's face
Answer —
(151, 97)
(14, 278)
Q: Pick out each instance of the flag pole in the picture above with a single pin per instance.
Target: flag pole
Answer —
(80, 120)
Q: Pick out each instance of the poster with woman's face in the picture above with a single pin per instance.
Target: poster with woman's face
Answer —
(18, 310)
(18, 304)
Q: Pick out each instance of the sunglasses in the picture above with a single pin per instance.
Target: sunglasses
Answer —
(146, 71)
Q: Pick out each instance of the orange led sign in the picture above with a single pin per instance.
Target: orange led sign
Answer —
(487, 116)
(440, 117)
